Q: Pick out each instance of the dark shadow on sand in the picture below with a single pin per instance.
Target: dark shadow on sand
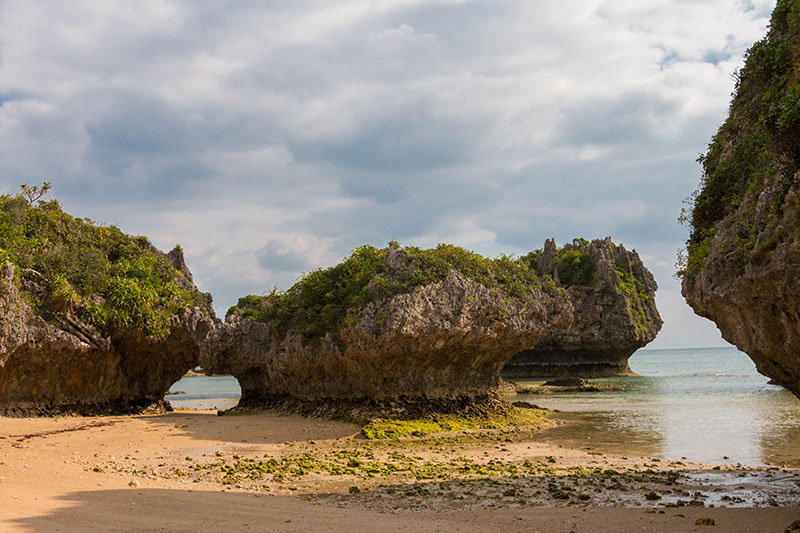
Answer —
(139, 510)
(258, 428)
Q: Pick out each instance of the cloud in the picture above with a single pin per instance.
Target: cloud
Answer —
(293, 253)
(271, 138)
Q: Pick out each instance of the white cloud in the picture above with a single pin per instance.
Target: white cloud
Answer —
(269, 138)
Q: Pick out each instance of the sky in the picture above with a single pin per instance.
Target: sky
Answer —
(270, 138)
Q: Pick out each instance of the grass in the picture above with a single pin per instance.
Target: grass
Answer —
(97, 272)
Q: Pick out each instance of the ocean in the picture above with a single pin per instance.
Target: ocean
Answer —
(701, 404)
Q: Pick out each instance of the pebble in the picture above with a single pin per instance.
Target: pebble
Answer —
(133, 483)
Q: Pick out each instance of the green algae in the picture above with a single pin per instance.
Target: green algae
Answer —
(449, 423)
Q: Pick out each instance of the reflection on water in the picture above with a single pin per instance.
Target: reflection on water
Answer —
(703, 404)
(604, 432)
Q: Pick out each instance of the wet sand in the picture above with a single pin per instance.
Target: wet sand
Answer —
(195, 471)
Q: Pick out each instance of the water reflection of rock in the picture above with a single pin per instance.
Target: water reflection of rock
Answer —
(606, 433)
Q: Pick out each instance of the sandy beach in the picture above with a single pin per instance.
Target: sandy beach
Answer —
(195, 471)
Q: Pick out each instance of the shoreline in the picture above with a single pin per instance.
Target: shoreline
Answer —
(192, 469)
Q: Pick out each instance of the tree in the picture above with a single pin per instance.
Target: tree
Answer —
(35, 192)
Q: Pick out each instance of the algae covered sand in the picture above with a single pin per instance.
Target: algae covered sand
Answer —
(195, 470)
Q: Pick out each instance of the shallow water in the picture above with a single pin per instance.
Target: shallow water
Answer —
(702, 404)
(205, 392)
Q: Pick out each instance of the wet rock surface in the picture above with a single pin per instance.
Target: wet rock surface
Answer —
(440, 347)
(613, 296)
(65, 366)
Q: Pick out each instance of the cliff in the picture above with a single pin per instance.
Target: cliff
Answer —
(742, 268)
(390, 332)
(91, 320)
(613, 297)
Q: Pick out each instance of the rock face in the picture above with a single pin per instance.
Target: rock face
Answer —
(613, 296)
(440, 346)
(52, 360)
(743, 265)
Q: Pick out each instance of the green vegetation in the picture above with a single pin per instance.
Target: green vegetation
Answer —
(438, 423)
(636, 299)
(104, 276)
(757, 144)
(574, 263)
(631, 286)
(575, 267)
(322, 300)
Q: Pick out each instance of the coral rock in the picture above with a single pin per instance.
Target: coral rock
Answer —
(613, 296)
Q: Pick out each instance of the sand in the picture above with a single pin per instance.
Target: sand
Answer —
(178, 472)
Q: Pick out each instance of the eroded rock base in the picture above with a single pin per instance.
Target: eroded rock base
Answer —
(369, 408)
(119, 407)
(535, 364)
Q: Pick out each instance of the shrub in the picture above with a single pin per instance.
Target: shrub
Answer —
(760, 140)
(321, 300)
(106, 277)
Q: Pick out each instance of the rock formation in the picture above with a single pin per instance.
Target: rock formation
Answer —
(613, 296)
(70, 341)
(415, 332)
(742, 269)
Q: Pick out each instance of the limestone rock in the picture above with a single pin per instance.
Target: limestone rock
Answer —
(440, 346)
(743, 265)
(613, 296)
(64, 365)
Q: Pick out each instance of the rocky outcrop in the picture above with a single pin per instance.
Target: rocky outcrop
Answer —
(63, 365)
(743, 265)
(613, 297)
(559, 385)
(436, 346)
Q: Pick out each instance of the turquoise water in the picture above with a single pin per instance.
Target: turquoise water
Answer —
(702, 404)
(205, 392)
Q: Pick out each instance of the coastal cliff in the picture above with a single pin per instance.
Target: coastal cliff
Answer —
(91, 320)
(613, 297)
(390, 332)
(742, 267)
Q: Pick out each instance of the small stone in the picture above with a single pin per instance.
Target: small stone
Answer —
(705, 522)
(219, 453)
(133, 483)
